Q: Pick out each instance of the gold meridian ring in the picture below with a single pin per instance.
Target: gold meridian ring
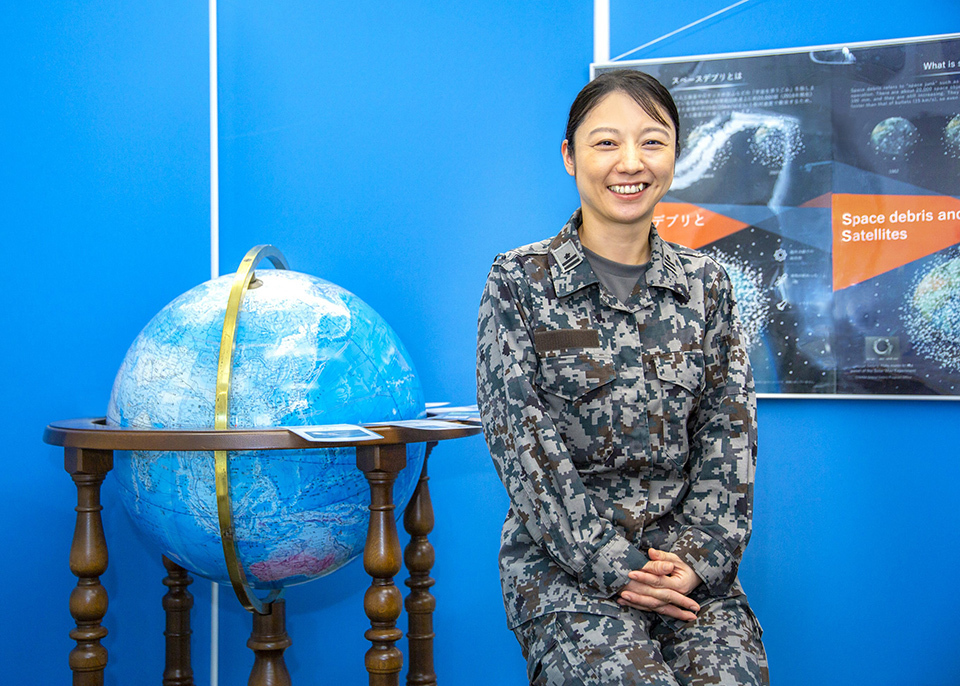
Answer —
(224, 367)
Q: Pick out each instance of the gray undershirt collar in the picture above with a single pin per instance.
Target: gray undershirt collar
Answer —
(620, 279)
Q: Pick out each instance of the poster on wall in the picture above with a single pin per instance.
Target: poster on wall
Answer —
(826, 180)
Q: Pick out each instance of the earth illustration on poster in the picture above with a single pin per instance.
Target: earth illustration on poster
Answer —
(307, 352)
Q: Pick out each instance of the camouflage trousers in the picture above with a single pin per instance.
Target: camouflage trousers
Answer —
(721, 647)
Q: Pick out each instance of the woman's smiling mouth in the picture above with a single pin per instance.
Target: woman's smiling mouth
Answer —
(629, 190)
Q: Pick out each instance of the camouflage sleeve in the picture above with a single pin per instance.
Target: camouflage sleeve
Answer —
(718, 509)
(529, 453)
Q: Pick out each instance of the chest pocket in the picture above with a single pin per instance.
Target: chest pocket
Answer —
(573, 374)
(679, 382)
(576, 386)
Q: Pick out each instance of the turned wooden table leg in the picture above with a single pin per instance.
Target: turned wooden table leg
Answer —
(268, 640)
(381, 560)
(420, 604)
(88, 561)
(177, 604)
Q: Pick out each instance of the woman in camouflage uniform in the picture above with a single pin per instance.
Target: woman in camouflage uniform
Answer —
(618, 405)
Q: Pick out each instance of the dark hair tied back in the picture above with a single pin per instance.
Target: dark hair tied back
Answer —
(649, 93)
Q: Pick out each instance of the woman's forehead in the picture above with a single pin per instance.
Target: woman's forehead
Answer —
(618, 108)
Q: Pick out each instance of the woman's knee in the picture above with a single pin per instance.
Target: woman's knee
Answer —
(723, 646)
(570, 649)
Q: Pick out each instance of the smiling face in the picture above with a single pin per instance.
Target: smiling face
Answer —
(623, 161)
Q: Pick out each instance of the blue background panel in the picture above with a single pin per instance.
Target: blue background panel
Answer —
(104, 176)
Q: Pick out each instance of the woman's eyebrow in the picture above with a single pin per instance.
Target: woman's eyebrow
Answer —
(604, 129)
(609, 129)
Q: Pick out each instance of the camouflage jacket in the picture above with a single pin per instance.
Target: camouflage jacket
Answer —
(615, 427)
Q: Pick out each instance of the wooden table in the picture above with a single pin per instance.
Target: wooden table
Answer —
(88, 456)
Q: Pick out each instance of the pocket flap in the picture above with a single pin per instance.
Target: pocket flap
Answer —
(573, 375)
(681, 369)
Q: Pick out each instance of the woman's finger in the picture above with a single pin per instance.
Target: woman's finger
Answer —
(662, 567)
(657, 580)
(651, 604)
(650, 597)
(642, 600)
(644, 577)
(676, 613)
(663, 555)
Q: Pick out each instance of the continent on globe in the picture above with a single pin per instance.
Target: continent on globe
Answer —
(306, 352)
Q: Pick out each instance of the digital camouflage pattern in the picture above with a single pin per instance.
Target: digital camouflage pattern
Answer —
(615, 427)
(722, 647)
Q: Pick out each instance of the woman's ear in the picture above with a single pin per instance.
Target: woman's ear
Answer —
(567, 153)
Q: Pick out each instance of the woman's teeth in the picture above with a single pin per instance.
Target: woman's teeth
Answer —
(627, 190)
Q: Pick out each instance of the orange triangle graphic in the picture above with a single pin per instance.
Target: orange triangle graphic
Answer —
(873, 234)
(693, 226)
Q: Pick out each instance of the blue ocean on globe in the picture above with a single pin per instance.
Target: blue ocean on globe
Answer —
(306, 352)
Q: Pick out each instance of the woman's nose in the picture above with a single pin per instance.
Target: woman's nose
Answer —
(631, 160)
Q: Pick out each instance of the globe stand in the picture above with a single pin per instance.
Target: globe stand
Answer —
(88, 458)
(177, 604)
(268, 640)
(420, 604)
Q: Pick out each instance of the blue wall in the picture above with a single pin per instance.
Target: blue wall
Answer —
(103, 179)
(394, 148)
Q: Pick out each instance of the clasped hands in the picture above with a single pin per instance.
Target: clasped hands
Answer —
(662, 586)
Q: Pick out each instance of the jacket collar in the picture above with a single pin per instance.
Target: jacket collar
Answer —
(569, 267)
(571, 271)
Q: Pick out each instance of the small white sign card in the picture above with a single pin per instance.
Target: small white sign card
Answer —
(428, 424)
(334, 433)
(463, 413)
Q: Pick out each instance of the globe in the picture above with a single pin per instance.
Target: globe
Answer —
(306, 352)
